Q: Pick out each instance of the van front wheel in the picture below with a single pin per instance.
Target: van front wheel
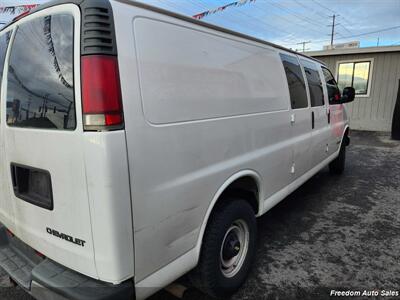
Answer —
(228, 249)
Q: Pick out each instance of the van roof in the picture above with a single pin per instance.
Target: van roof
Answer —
(174, 15)
(211, 26)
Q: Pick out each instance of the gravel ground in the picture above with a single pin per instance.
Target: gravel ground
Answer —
(335, 232)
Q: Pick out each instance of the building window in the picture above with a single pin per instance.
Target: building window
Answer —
(354, 74)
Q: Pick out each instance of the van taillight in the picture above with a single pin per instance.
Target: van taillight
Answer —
(101, 93)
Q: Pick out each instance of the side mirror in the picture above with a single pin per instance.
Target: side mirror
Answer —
(348, 95)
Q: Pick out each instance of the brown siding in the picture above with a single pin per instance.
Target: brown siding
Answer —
(376, 111)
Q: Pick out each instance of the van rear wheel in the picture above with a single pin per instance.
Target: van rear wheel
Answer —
(337, 165)
(228, 249)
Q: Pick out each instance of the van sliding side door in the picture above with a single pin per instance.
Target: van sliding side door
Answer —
(300, 116)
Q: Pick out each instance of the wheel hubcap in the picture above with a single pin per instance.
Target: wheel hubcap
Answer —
(231, 246)
(234, 248)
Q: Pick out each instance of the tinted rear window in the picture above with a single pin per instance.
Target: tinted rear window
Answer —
(314, 83)
(295, 80)
(40, 92)
(4, 39)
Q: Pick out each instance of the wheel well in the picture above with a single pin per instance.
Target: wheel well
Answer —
(346, 138)
(245, 187)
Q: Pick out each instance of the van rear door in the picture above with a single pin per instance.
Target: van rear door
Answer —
(44, 164)
(6, 209)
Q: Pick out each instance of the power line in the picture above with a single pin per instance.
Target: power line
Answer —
(262, 24)
(345, 28)
(297, 16)
(371, 32)
(323, 6)
(308, 8)
(308, 20)
(320, 14)
(361, 34)
(304, 45)
(331, 10)
(256, 20)
(231, 17)
(356, 35)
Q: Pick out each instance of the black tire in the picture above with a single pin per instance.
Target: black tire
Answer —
(209, 274)
(337, 166)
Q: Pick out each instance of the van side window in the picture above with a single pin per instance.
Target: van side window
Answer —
(331, 86)
(295, 79)
(40, 91)
(314, 83)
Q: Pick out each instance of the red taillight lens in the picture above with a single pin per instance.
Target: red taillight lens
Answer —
(101, 92)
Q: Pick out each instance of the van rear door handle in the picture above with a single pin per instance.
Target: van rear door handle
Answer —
(312, 120)
(32, 185)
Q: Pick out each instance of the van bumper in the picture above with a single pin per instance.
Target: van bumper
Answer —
(46, 279)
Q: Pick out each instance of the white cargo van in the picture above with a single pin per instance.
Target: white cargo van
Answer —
(137, 145)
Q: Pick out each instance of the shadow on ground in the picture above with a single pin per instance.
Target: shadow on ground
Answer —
(335, 232)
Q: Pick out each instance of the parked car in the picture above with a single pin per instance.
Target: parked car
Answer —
(138, 145)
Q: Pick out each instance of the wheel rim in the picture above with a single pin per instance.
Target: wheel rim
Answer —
(234, 248)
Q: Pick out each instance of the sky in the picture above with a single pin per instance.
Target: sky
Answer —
(290, 22)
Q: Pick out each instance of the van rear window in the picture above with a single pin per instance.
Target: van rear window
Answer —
(40, 90)
(4, 39)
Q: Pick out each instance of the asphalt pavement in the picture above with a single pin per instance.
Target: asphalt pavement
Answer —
(336, 233)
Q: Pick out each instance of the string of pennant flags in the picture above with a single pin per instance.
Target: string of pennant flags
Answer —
(18, 9)
(49, 41)
(221, 8)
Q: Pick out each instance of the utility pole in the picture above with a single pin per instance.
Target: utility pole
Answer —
(333, 27)
(304, 45)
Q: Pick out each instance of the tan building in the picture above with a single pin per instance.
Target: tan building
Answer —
(374, 72)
